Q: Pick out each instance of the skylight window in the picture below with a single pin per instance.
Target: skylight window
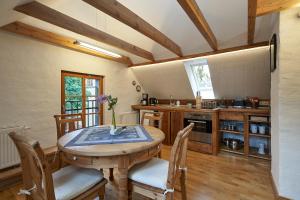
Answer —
(200, 79)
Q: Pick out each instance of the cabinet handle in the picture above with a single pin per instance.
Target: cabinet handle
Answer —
(194, 121)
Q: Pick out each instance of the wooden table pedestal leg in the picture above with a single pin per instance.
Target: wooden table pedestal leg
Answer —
(123, 166)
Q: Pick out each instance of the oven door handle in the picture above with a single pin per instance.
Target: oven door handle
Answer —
(198, 122)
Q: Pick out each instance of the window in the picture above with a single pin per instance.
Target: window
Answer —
(79, 92)
(200, 79)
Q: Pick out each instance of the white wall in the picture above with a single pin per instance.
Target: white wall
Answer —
(275, 113)
(289, 104)
(236, 74)
(30, 83)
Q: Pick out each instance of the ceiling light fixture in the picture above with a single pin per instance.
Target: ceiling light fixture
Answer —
(95, 48)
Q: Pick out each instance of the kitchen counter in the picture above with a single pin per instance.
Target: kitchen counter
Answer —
(184, 108)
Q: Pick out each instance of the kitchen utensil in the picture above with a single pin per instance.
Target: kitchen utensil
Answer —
(144, 100)
(253, 128)
(262, 129)
(227, 142)
(261, 148)
(234, 144)
(153, 101)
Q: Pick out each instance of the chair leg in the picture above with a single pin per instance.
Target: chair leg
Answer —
(170, 196)
(111, 174)
(159, 154)
(182, 184)
(129, 188)
(101, 193)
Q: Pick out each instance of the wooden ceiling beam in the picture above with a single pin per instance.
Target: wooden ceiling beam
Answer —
(269, 6)
(232, 49)
(59, 40)
(252, 6)
(44, 13)
(126, 16)
(193, 11)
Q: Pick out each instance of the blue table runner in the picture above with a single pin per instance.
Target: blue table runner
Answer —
(100, 135)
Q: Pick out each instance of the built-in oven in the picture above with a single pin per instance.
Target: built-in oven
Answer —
(201, 136)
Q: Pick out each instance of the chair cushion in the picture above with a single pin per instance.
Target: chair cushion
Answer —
(71, 181)
(153, 173)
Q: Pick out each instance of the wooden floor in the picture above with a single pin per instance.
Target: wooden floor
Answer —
(222, 177)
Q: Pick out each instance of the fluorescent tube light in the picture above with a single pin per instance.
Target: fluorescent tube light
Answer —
(95, 48)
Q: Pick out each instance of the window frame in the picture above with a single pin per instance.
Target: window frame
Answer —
(83, 76)
(191, 76)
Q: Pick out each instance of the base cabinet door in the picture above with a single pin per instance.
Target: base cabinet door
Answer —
(176, 124)
(165, 127)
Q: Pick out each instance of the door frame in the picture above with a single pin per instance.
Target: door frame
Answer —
(83, 76)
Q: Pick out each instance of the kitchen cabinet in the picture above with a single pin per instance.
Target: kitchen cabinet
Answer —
(176, 124)
(165, 127)
(172, 123)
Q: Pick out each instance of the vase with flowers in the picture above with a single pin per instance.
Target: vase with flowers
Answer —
(112, 102)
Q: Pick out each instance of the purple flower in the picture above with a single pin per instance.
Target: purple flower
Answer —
(101, 99)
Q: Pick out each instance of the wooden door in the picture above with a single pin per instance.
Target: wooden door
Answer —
(78, 95)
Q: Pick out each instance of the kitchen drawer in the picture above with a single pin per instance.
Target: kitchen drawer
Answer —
(200, 147)
(237, 116)
(81, 160)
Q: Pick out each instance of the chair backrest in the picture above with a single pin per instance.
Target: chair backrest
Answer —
(178, 155)
(129, 117)
(36, 170)
(152, 117)
(66, 123)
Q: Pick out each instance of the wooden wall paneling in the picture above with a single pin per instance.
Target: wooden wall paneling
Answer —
(47, 14)
(193, 11)
(252, 5)
(126, 16)
(59, 40)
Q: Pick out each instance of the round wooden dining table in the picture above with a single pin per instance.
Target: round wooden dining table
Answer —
(121, 156)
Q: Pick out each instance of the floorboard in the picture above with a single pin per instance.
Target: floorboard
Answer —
(209, 178)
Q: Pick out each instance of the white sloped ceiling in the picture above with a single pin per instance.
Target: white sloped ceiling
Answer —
(228, 20)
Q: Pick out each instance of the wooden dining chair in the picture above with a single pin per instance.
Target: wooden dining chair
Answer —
(154, 118)
(156, 178)
(65, 184)
(65, 123)
(68, 122)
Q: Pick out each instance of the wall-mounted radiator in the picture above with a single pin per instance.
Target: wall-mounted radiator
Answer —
(9, 155)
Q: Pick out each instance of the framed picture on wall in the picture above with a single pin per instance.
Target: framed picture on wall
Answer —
(273, 53)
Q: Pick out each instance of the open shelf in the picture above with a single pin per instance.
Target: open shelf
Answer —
(262, 122)
(227, 149)
(253, 152)
(234, 132)
(260, 135)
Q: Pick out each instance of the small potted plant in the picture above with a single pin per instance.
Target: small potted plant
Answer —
(112, 102)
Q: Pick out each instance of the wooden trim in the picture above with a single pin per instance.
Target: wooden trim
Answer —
(232, 49)
(265, 7)
(252, 5)
(79, 74)
(193, 11)
(47, 14)
(118, 11)
(59, 40)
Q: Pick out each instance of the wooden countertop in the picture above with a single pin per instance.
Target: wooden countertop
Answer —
(184, 108)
